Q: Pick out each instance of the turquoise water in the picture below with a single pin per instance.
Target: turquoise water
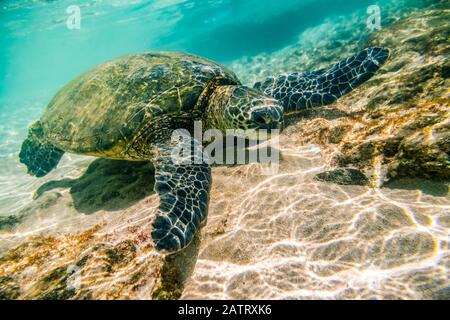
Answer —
(40, 53)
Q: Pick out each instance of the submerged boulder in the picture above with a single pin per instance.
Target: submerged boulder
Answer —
(344, 176)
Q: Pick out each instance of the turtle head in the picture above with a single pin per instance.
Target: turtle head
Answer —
(243, 108)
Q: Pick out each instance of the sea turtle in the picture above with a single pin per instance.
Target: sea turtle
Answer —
(128, 108)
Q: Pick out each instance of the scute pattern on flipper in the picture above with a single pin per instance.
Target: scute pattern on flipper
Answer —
(184, 196)
(299, 91)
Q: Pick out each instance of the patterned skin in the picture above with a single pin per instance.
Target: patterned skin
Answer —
(299, 91)
(184, 196)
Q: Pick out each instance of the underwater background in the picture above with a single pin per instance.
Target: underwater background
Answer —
(287, 236)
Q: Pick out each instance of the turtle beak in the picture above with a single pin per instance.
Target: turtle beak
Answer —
(268, 118)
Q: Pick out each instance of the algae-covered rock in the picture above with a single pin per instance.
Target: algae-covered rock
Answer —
(115, 260)
(9, 289)
(344, 177)
(8, 222)
(100, 263)
(398, 123)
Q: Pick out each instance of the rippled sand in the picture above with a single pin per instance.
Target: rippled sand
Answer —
(288, 236)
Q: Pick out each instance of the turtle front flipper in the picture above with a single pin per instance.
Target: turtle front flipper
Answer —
(183, 189)
(299, 91)
(38, 154)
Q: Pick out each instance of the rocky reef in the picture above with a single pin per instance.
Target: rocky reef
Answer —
(358, 209)
(396, 125)
(104, 262)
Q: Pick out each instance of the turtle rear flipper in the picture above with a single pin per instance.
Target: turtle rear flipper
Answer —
(299, 91)
(37, 154)
(183, 188)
